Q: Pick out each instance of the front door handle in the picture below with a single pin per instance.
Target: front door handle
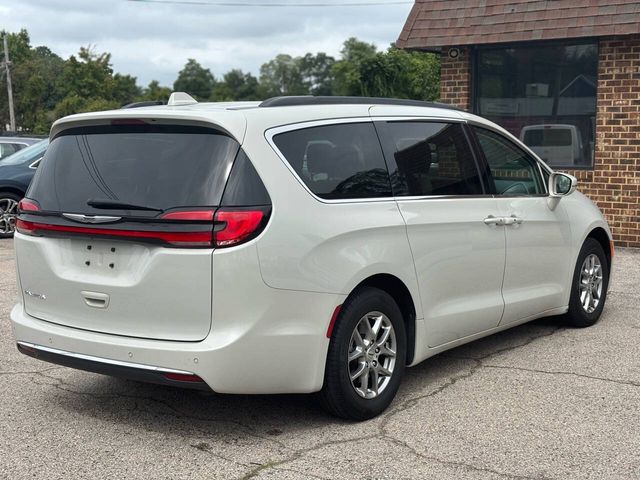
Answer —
(491, 220)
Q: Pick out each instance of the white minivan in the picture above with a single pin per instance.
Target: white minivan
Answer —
(301, 244)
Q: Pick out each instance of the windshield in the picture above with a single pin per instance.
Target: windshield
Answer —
(108, 168)
(29, 154)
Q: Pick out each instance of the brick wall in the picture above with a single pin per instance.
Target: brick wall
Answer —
(455, 79)
(614, 183)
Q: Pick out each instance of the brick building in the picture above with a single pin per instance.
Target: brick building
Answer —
(562, 75)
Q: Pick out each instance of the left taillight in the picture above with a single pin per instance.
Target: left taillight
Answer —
(28, 205)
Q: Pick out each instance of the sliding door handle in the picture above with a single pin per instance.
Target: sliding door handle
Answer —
(491, 220)
(514, 220)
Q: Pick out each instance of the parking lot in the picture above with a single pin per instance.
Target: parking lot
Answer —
(538, 401)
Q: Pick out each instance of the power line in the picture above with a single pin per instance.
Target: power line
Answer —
(277, 5)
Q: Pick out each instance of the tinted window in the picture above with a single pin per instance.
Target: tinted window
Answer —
(337, 161)
(156, 166)
(244, 188)
(551, 88)
(432, 159)
(513, 171)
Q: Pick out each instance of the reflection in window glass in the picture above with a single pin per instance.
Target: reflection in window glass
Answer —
(432, 159)
(337, 161)
(513, 171)
(544, 95)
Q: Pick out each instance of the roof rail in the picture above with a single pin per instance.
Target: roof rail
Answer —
(330, 100)
(181, 98)
(150, 103)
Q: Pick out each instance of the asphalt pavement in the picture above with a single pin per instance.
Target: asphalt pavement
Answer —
(538, 401)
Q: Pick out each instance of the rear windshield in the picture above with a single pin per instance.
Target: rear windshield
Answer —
(160, 167)
(548, 137)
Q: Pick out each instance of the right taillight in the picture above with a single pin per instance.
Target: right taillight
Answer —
(234, 226)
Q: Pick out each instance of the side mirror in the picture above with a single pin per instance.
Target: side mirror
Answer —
(562, 184)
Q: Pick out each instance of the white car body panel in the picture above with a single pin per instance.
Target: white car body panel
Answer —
(268, 303)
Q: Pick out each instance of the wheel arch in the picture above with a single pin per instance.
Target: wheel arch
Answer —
(600, 235)
(11, 189)
(400, 293)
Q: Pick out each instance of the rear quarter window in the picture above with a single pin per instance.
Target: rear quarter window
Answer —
(341, 161)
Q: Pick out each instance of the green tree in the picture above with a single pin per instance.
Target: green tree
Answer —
(236, 85)
(155, 92)
(317, 73)
(346, 72)
(400, 74)
(195, 80)
(282, 76)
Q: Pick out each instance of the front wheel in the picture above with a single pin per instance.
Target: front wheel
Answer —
(589, 286)
(366, 357)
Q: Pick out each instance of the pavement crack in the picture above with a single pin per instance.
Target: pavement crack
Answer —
(28, 372)
(276, 464)
(560, 372)
(451, 463)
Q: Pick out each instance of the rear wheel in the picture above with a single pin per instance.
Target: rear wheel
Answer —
(366, 357)
(589, 286)
(8, 213)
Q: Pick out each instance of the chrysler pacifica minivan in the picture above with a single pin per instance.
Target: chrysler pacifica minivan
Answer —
(298, 245)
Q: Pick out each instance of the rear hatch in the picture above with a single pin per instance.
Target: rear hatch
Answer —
(118, 229)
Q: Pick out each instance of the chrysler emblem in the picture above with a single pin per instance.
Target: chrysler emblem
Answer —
(78, 217)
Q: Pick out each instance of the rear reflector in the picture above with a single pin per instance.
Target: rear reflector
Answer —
(26, 205)
(187, 239)
(238, 226)
(332, 322)
(183, 377)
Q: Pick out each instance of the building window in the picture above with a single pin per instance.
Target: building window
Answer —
(543, 94)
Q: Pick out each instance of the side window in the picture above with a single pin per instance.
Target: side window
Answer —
(431, 159)
(513, 171)
(337, 161)
(7, 149)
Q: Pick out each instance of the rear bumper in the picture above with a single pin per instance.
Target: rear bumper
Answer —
(282, 350)
(114, 368)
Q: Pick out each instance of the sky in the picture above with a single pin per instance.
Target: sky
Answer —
(152, 40)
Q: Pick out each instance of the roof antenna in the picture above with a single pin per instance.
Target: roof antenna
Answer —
(181, 98)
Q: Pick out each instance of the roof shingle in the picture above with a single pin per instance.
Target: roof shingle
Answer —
(433, 24)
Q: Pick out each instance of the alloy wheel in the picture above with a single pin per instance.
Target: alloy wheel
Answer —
(8, 213)
(591, 281)
(372, 354)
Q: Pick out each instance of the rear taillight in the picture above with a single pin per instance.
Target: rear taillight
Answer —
(237, 226)
(202, 228)
(26, 205)
(178, 239)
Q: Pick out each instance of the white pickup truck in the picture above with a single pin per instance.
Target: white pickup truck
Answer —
(556, 144)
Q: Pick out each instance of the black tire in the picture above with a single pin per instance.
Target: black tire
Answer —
(3, 197)
(578, 316)
(338, 396)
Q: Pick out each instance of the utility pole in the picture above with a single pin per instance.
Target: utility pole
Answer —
(7, 63)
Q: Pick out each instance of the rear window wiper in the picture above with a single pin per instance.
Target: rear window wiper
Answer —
(110, 204)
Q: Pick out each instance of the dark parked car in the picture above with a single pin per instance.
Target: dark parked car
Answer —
(16, 172)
